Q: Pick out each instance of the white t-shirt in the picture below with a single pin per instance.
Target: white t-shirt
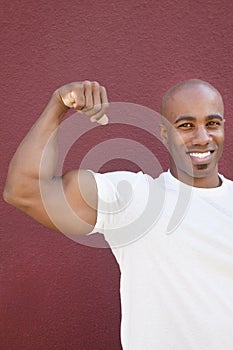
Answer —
(174, 246)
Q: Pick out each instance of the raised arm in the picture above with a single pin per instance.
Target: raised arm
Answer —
(68, 203)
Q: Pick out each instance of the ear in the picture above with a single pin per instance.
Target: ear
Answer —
(163, 133)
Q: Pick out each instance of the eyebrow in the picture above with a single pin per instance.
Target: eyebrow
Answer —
(214, 116)
(192, 119)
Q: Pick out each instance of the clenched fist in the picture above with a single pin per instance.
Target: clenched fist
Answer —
(87, 97)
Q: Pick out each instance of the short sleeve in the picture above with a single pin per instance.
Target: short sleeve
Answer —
(123, 200)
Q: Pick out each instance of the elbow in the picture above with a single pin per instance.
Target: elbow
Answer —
(8, 197)
(12, 199)
(16, 193)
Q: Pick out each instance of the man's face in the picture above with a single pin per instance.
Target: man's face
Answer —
(195, 134)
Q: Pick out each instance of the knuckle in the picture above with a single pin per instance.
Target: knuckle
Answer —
(103, 89)
(74, 85)
(87, 83)
(95, 84)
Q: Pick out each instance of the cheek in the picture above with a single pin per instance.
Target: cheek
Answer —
(178, 141)
(219, 138)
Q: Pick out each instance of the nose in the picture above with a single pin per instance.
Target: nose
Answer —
(201, 136)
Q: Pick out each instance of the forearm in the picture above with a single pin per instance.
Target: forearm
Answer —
(26, 168)
(69, 202)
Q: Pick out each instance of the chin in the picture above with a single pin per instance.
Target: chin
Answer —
(202, 171)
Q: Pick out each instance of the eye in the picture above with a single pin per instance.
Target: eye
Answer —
(186, 125)
(214, 123)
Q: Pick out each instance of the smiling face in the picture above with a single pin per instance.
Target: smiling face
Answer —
(193, 130)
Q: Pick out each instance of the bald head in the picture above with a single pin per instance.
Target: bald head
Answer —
(186, 90)
(193, 123)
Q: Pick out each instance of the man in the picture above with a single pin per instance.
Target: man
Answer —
(177, 288)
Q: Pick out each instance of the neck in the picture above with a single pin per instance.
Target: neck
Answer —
(210, 181)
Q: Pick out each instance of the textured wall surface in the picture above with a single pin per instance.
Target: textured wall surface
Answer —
(55, 293)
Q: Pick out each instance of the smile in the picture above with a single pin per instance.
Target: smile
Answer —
(200, 155)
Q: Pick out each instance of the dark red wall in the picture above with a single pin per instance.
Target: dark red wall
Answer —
(55, 293)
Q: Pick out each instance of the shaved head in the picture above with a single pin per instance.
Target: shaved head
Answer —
(192, 128)
(181, 88)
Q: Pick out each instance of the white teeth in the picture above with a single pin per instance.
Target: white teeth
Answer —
(200, 155)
